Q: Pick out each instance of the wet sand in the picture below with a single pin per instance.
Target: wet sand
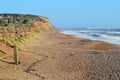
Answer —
(56, 56)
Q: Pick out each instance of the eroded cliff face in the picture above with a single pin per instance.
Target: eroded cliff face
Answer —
(17, 29)
(45, 24)
(30, 21)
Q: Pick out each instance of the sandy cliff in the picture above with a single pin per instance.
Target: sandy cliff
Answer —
(31, 21)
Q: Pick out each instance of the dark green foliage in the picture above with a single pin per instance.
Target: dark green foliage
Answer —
(18, 19)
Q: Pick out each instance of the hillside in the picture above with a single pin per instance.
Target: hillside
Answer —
(17, 29)
(20, 20)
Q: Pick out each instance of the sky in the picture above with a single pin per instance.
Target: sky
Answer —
(93, 14)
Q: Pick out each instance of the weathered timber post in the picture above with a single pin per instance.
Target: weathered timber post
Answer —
(16, 48)
(16, 54)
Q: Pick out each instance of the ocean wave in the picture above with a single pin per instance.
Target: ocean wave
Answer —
(112, 36)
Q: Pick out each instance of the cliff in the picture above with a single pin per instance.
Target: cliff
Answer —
(30, 21)
(18, 29)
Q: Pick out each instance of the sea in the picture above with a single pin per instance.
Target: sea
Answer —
(107, 35)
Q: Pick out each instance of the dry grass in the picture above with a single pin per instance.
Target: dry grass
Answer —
(3, 52)
(17, 39)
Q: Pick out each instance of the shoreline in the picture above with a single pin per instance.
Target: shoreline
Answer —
(80, 35)
(56, 56)
(90, 39)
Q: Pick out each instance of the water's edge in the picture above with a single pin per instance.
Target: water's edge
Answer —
(111, 36)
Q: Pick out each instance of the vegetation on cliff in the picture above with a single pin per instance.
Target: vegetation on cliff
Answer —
(20, 20)
(16, 29)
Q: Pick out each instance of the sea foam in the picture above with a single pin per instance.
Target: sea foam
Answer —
(111, 36)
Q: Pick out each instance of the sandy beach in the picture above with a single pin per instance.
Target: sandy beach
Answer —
(56, 56)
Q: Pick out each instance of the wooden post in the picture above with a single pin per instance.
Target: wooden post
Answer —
(16, 49)
(16, 55)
